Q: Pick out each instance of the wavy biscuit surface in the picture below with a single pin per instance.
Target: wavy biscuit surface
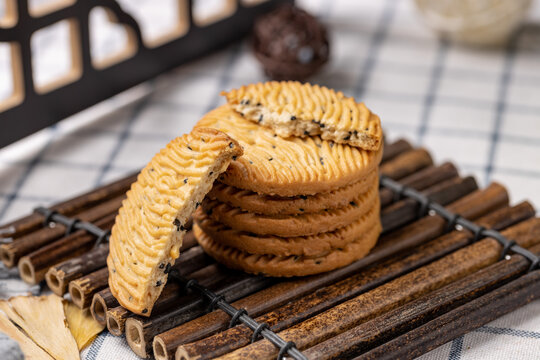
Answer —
(148, 231)
(291, 108)
(294, 166)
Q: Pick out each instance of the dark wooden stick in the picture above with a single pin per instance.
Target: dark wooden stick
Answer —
(460, 321)
(69, 207)
(190, 262)
(140, 331)
(281, 293)
(324, 298)
(34, 266)
(12, 252)
(406, 210)
(411, 315)
(59, 276)
(406, 163)
(395, 293)
(101, 302)
(421, 180)
(82, 290)
(392, 150)
(173, 296)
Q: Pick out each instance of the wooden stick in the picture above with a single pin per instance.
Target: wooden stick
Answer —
(474, 205)
(12, 252)
(34, 266)
(326, 297)
(406, 163)
(82, 290)
(462, 320)
(69, 207)
(406, 210)
(392, 150)
(101, 302)
(59, 276)
(411, 315)
(140, 331)
(421, 180)
(191, 261)
(397, 292)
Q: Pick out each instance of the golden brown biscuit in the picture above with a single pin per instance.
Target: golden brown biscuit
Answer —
(287, 225)
(313, 245)
(291, 108)
(277, 205)
(288, 167)
(287, 266)
(149, 228)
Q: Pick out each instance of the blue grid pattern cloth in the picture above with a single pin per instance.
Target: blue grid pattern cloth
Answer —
(477, 108)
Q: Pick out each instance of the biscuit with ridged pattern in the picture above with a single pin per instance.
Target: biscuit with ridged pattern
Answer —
(292, 225)
(294, 166)
(291, 108)
(287, 266)
(313, 245)
(149, 227)
(294, 205)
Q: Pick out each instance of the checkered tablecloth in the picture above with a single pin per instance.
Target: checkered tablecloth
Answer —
(478, 108)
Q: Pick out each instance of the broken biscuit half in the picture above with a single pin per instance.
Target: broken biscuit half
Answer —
(291, 108)
(148, 231)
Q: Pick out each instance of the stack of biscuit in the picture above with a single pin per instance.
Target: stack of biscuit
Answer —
(303, 199)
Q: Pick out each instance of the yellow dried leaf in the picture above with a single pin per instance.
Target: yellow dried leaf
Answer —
(82, 325)
(29, 348)
(42, 319)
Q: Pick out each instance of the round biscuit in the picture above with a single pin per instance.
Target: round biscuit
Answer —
(313, 245)
(287, 266)
(287, 225)
(288, 166)
(278, 205)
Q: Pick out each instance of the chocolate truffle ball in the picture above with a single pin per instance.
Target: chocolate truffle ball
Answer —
(290, 43)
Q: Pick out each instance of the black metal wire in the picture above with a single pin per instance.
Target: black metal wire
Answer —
(453, 220)
(73, 224)
(241, 315)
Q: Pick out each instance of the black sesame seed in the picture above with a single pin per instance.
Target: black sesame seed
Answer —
(293, 118)
(301, 209)
(158, 283)
(211, 173)
(296, 257)
(348, 137)
(273, 146)
(258, 104)
(321, 125)
(331, 144)
(182, 228)
(185, 181)
(251, 162)
(176, 223)
(144, 311)
(189, 147)
(321, 160)
(234, 157)
(303, 197)
(353, 203)
(260, 118)
(231, 145)
(318, 262)
(270, 159)
(161, 266)
(167, 268)
(152, 169)
(306, 132)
